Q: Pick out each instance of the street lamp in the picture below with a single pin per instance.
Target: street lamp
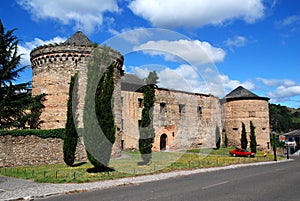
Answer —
(274, 146)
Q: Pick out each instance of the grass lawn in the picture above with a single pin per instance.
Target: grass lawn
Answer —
(127, 166)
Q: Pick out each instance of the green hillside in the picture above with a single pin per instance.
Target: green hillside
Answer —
(284, 119)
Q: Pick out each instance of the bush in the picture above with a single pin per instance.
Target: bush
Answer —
(53, 133)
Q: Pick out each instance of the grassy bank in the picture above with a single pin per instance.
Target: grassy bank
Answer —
(127, 166)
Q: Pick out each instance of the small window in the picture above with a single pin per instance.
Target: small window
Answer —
(139, 123)
(235, 129)
(199, 110)
(181, 108)
(263, 129)
(140, 102)
(162, 107)
(251, 113)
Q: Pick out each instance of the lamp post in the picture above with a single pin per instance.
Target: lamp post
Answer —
(287, 150)
(274, 145)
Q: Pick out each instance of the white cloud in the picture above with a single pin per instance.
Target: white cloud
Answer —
(285, 92)
(229, 84)
(195, 13)
(195, 52)
(238, 41)
(85, 14)
(186, 78)
(288, 21)
(26, 48)
(277, 82)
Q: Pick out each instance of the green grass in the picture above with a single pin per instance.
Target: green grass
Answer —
(127, 166)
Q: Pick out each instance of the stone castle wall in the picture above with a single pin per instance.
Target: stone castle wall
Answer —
(238, 111)
(32, 150)
(186, 119)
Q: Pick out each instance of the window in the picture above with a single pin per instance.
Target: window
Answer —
(199, 110)
(162, 107)
(140, 102)
(235, 129)
(181, 108)
(251, 113)
(139, 123)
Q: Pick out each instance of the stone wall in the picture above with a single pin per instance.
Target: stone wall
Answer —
(186, 119)
(239, 111)
(33, 150)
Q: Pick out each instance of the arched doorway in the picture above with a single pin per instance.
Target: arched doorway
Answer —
(163, 142)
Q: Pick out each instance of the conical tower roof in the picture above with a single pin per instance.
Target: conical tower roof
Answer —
(242, 93)
(79, 39)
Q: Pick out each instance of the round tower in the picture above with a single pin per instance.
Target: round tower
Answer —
(52, 67)
(241, 105)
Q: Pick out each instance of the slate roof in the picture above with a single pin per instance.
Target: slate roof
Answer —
(242, 93)
(79, 39)
(131, 82)
(294, 133)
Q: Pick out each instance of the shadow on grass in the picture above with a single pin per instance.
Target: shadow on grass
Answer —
(101, 169)
(78, 164)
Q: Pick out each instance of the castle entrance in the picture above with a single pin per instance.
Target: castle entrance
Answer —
(163, 142)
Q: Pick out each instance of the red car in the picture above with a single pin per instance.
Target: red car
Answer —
(241, 152)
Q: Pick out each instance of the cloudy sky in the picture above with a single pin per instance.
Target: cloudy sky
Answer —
(195, 45)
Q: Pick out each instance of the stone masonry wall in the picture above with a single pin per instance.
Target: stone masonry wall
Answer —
(33, 150)
(239, 111)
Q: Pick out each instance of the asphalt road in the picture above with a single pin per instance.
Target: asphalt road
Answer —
(275, 182)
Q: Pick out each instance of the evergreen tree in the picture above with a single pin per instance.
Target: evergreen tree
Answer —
(146, 129)
(252, 138)
(15, 99)
(218, 137)
(99, 125)
(71, 136)
(244, 141)
(226, 140)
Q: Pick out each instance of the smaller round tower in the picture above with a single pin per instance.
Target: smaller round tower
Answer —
(241, 105)
(52, 67)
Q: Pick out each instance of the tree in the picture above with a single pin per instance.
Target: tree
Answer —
(146, 129)
(99, 125)
(226, 140)
(152, 78)
(218, 137)
(15, 98)
(71, 136)
(253, 143)
(244, 141)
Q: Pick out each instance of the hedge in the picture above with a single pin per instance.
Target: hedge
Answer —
(53, 133)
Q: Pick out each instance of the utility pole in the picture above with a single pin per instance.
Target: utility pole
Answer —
(274, 145)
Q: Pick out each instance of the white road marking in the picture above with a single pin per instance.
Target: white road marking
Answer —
(217, 184)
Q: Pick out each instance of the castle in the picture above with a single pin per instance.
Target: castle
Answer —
(181, 119)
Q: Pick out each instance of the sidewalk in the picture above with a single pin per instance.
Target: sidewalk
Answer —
(20, 189)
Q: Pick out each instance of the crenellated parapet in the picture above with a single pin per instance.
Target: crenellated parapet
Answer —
(52, 68)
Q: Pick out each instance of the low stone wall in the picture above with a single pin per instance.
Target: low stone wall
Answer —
(33, 150)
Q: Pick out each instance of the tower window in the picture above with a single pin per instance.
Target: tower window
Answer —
(162, 107)
(181, 108)
(140, 102)
(251, 113)
(199, 110)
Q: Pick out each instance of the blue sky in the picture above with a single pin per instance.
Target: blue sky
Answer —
(195, 45)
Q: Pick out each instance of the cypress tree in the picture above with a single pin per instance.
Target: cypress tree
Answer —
(253, 142)
(244, 141)
(71, 136)
(226, 140)
(218, 138)
(146, 129)
(99, 125)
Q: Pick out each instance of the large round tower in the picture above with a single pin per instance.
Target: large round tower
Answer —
(241, 105)
(53, 65)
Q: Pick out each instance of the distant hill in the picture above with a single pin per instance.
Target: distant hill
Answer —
(284, 119)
